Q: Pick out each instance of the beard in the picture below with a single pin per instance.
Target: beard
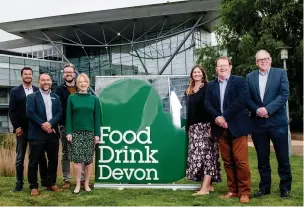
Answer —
(45, 89)
(69, 81)
(27, 80)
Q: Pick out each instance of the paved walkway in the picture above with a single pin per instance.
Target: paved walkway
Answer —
(296, 147)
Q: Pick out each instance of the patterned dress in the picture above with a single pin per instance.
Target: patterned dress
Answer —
(83, 120)
(203, 150)
(203, 154)
(82, 147)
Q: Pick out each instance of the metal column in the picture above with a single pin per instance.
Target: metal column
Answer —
(287, 111)
(64, 57)
(181, 44)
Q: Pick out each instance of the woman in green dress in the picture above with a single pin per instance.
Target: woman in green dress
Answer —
(83, 119)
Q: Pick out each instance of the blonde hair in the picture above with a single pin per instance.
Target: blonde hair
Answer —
(85, 76)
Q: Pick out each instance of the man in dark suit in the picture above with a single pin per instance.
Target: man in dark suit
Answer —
(225, 100)
(44, 111)
(17, 114)
(269, 93)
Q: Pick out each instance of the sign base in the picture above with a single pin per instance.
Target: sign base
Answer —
(149, 186)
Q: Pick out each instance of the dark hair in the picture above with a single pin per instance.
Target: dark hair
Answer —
(191, 83)
(224, 58)
(26, 68)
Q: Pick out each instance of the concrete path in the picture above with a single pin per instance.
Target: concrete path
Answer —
(296, 147)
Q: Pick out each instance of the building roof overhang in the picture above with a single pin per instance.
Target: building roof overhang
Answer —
(111, 22)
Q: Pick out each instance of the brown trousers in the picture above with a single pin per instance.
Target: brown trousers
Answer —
(234, 153)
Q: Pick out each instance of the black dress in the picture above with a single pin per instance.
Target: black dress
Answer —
(203, 150)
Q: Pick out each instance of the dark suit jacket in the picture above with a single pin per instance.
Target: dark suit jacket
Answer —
(35, 111)
(63, 93)
(275, 97)
(234, 106)
(17, 107)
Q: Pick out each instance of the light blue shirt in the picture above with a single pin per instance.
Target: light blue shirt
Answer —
(223, 85)
(263, 77)
(48, 103)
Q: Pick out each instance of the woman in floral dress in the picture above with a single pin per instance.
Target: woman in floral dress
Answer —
(203, 151)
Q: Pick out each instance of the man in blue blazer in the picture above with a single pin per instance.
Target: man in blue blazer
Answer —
(269, 91)
(17, 114)
(225, 100)
(44, 111)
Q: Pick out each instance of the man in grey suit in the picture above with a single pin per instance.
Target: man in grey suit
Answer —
(269, 91)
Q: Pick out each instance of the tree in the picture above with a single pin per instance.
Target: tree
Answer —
(247, 26)
(206, 57)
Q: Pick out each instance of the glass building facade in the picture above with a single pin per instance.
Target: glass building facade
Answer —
(10, 69)
(10, 76)
(141, 58)
(146, 57)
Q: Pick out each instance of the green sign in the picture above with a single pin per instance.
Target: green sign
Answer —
(139, 142)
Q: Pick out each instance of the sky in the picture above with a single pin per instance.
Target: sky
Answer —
(14, 10)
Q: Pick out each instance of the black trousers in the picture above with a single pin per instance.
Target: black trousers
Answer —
(38, 148)
(279, 138)
(21, 145)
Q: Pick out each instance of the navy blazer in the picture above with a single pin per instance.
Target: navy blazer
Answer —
(275, 97)
(234, 106)
(35, 111)
(17, 107)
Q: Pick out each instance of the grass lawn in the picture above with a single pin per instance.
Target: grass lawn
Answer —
(149, 197)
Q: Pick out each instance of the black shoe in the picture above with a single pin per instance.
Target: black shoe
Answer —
(262, 193)
(18, 188)
(285, 194)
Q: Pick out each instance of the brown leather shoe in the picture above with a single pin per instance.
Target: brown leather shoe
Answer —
(54, 188)
(244, 199)
(34, 192)
(66, 185)
(229, 195)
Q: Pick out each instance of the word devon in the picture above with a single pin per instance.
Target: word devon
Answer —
(140, 157)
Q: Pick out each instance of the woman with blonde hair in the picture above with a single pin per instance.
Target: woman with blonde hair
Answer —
(203, 151)
(83, 119)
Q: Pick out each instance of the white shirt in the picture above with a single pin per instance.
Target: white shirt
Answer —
(48, 103)
(28, 91)
(263, 76)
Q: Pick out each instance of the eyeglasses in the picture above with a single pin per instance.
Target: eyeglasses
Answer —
(263, 60)
(222, 66)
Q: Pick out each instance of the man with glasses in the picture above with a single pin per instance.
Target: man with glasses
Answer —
(269, 91)
(63, 91)
(225, 100)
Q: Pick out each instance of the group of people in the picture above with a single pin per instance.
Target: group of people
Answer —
(221, 115)
(40, 117)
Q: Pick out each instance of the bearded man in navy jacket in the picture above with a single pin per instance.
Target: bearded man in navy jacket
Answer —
(17, 114)
(43, 108)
